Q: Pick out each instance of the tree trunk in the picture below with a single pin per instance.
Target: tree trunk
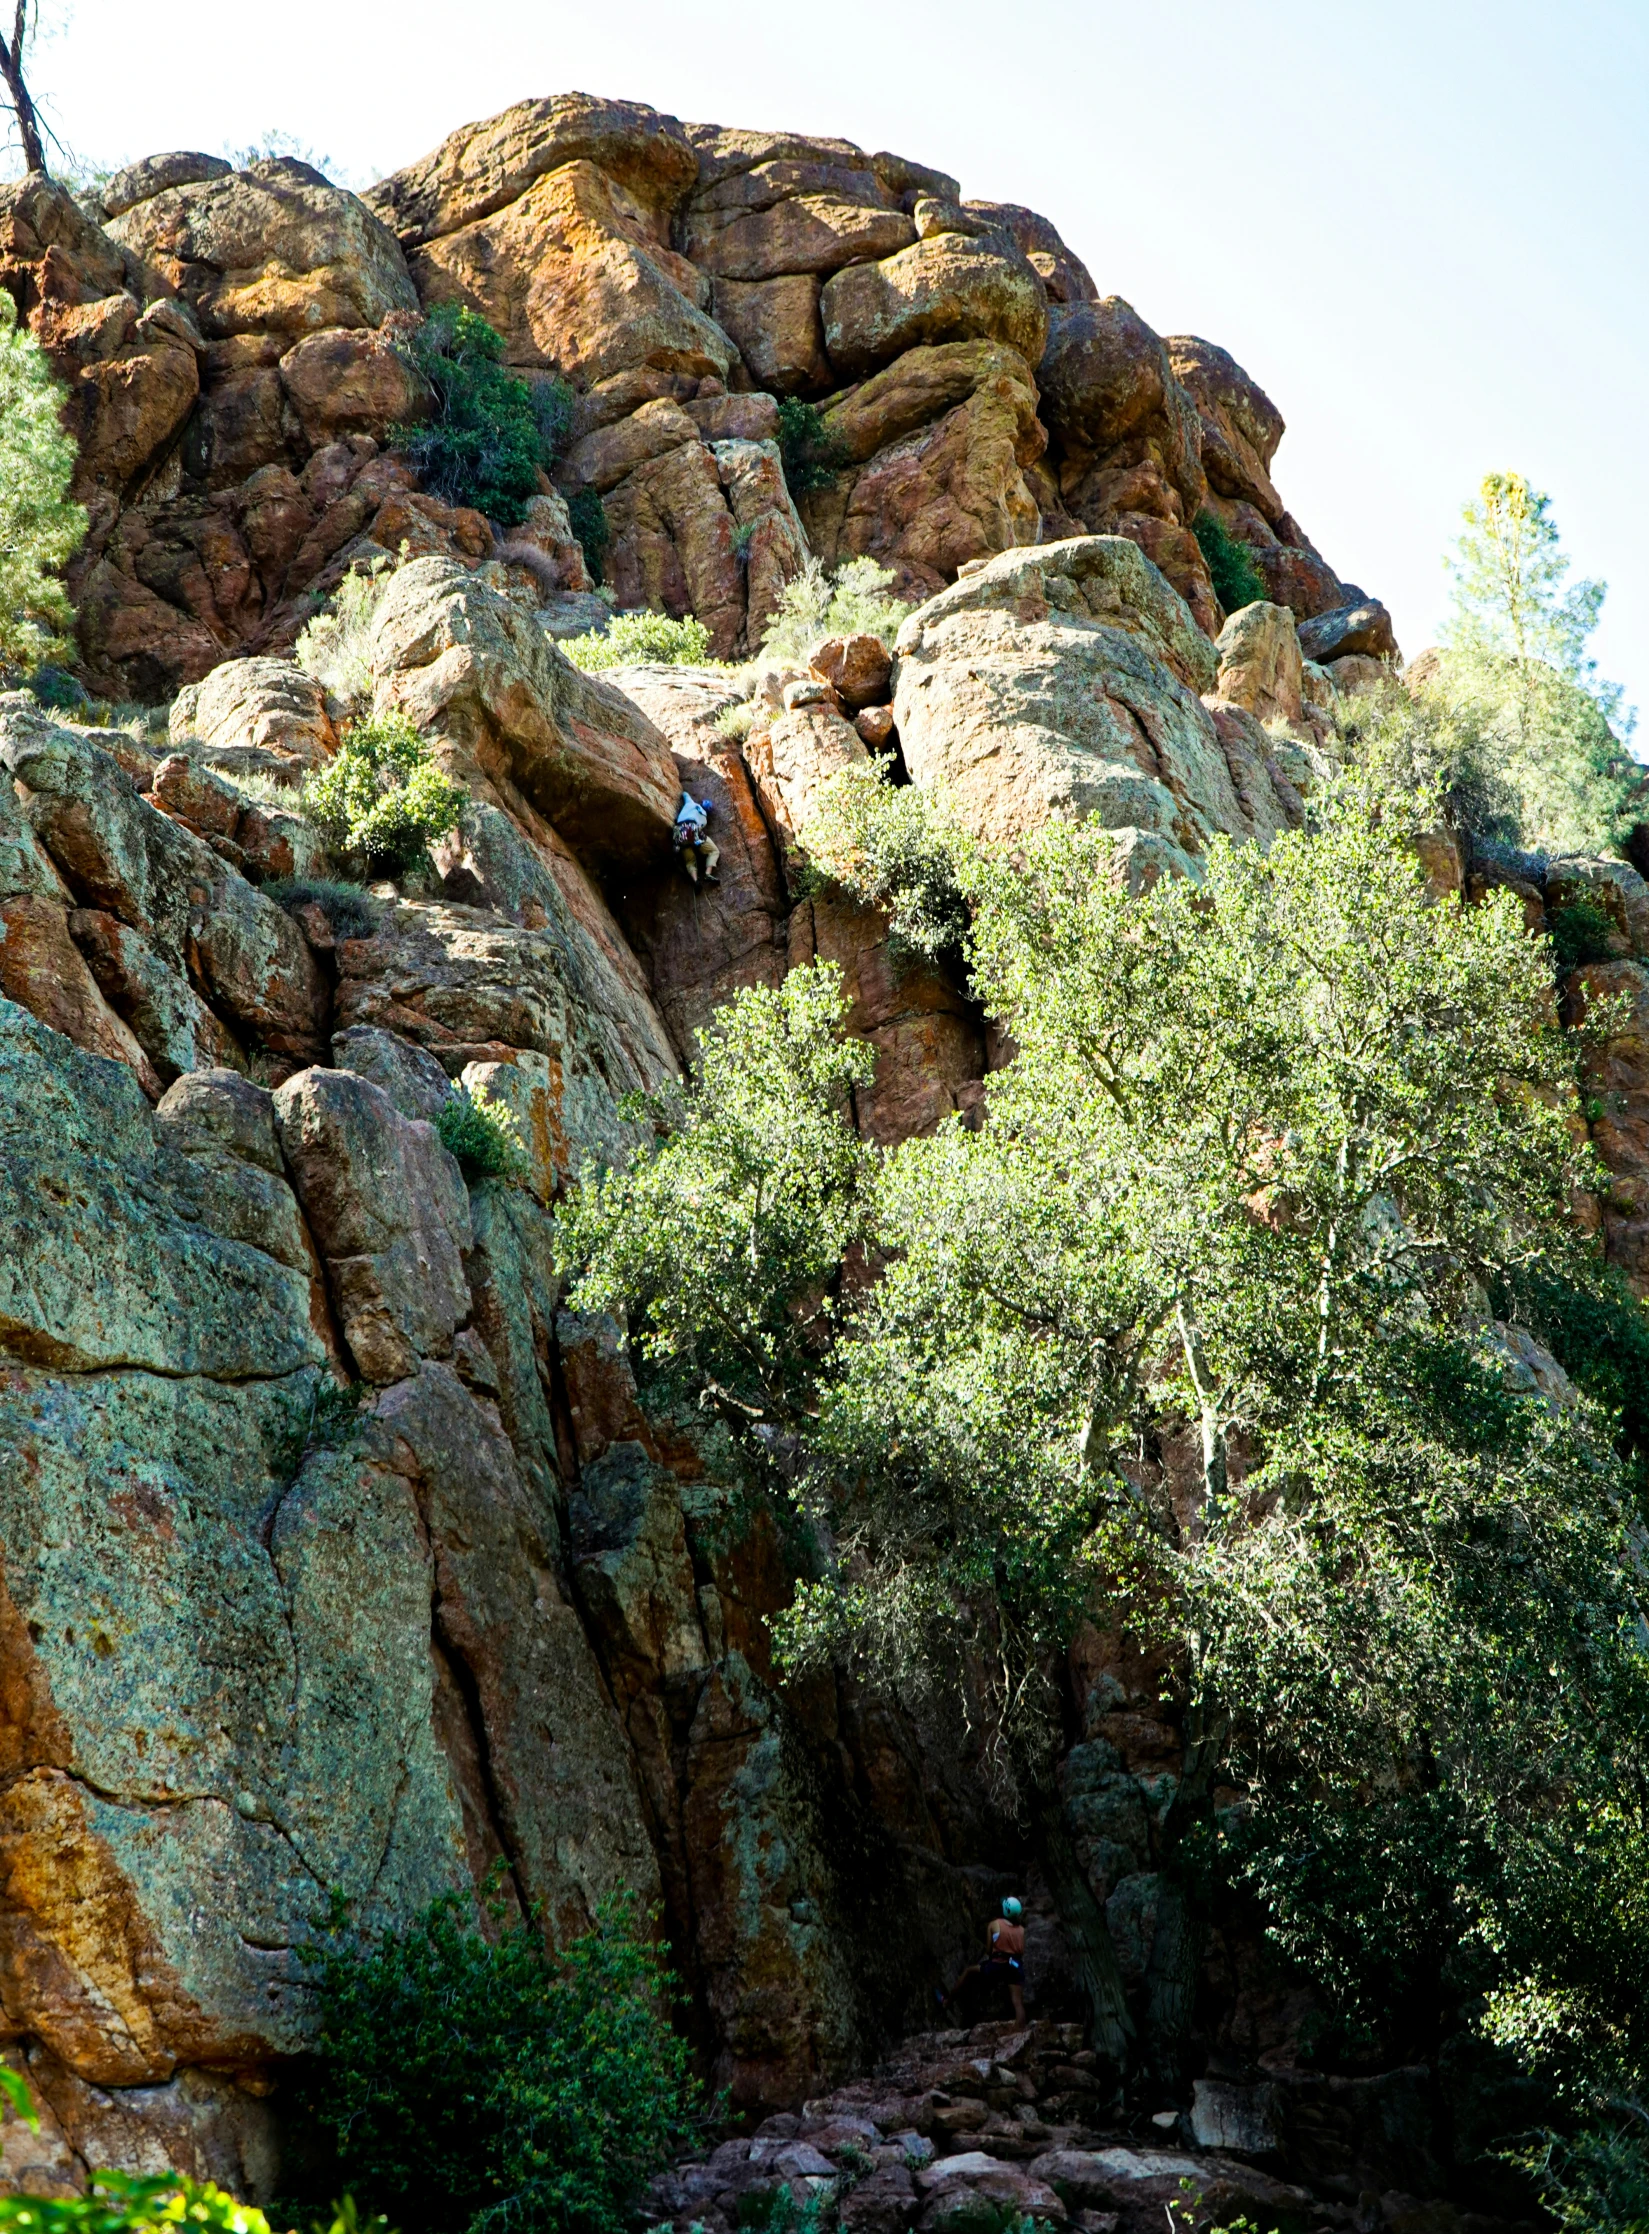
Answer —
(1110, 2028)
(11, 69)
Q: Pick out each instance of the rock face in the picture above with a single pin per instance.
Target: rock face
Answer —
(230, 344)
(335, 1549)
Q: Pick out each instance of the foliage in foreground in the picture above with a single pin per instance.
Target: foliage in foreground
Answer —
(40, 530)
(1237, 580)
(633, 638)
(851, 601)
(350, 909)
(1265, 1150)
(482, 1134)
(490, 432)
(379, 800)
(480, 2084)
(891, 845)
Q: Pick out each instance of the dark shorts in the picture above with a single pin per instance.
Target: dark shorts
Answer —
(1002, 1966)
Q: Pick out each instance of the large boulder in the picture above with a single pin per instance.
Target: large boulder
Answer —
(256, 714)
(939, 447)
(389, 1212)
(483, 167)
(575, 276)
(1065, 681)
(1241, 426)
(473, 670)
(814, 214)
(271, 249)
(1260, 665)
(1129, 434)
(951, 287)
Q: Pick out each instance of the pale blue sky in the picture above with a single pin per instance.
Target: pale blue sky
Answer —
(1423, 228)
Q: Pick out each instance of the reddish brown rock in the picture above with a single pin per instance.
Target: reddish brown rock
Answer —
(1129, 434)
(483, 167)
(857, 668)
(349, 383)
(777, 327)
(942, 290)
(577, 276)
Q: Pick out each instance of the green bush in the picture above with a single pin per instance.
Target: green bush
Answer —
(812, 456)
(890, 846)
(480, 2084)
(1579, 933)
(852, 601)
(552, 408)
(333, 647)
(379, 800)
(350, 909)
(485, 443)
(482, 1134)
(1237, 580)
(632, 638)
(588, 517)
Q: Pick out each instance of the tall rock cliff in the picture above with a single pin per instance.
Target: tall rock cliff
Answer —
(335, 1552)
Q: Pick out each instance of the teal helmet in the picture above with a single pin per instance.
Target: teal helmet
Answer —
(1011, 1907)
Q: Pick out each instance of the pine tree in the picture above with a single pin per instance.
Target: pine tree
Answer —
(39, 527)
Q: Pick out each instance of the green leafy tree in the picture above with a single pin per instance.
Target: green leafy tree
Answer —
(1194, 1331)
(633, 638)
(852, 600)
(1516, 670)
(39, 528)
(477, 2083)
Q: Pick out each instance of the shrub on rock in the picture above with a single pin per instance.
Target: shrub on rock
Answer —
(1237, 580)
(851, 601)
(485, 441)
(379, 800)
(634, 639)
(482, 1134)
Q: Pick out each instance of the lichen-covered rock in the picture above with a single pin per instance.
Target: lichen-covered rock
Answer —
(482, 167)
(938, 448)
(1260, 666)
(577, 275)
(273, 248)
(1065, 681)
(473, 670)
(119, 854)
(389, 1211)
(949, 288)
(1363, 628)
(1130, 435)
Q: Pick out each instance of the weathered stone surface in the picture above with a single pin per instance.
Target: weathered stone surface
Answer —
(575, 275)
(153, 174)
(108, 1262)
(947, 289)
(777, 327)
(482, 167)
(256, 706)
(408, 1074)
(1259, 650)
(269, 249)
(1364, 628)
(1129, 434)
(673, 543)
(390, 1214)
(121, 855)
(466, 983)
(1063, 681)
(942, 440)
(165, 1015)
(1241, 426)
(349, 382)
(858, 668)
(474, 671)
(766, 521)
(787, 217)
(795, 756)
(1064, 276)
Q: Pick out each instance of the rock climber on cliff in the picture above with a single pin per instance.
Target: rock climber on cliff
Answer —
(693, 840)
(1003, 1960)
